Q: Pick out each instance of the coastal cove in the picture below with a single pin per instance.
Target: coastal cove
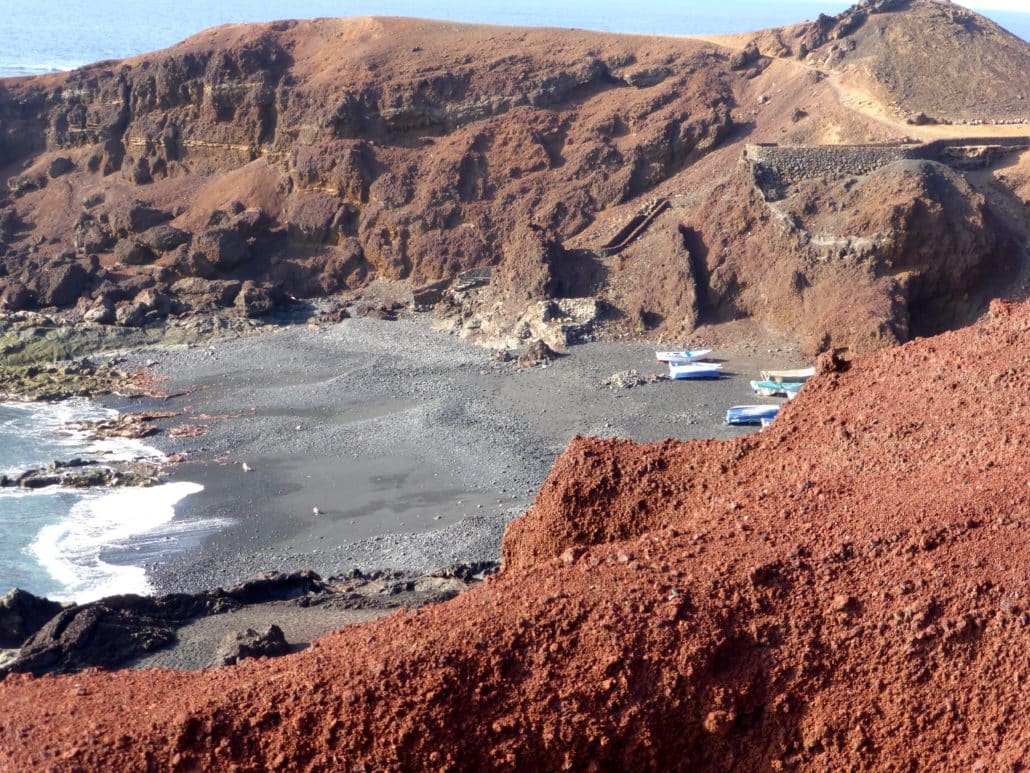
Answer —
(414, 462)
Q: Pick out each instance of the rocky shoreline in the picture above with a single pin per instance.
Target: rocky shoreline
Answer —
(41, 636)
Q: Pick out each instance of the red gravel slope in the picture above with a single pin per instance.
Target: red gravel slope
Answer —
(847, 590)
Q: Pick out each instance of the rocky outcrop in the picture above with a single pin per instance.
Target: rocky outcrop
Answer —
(251, 644)
(845, 261)
(113, 630)
(117, 630)
(21, 615)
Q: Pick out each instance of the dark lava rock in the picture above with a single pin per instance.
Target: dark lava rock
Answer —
(745, 57)
(61, 284)
(164, 238)
(22, 614)
(250, 223)
(222, 248)
(130, 314)
(377, 311)
(251, 644)
(109, 632)
(137, 218)
(15, 297)
(430, 294)
(101, 312)
(206, 294)
(190, 263)
(132, 253)
(334, 315)
(310, 218)
(59, 166)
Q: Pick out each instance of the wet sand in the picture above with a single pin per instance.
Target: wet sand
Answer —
(416, 446)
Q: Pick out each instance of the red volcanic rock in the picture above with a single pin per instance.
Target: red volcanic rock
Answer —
(845, 590)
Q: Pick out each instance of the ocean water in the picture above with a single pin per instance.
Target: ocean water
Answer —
(61, 34)
(59, 542)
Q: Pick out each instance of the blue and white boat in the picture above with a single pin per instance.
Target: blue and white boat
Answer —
(682, 358)
(751, 414)
(695, 370)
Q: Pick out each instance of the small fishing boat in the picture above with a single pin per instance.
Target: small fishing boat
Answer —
(682, 358)
(776, 388)
(695, 370)
(751, 414)
(800, 375)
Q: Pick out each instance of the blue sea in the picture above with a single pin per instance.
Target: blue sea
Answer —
(38, 37)
(60, 542)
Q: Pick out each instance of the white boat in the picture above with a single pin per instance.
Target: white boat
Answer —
(682, 358)
(800, 375)
(751, 414)
(695, 370)
(776, 388)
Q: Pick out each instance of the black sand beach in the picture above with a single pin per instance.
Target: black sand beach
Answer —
(416, 447)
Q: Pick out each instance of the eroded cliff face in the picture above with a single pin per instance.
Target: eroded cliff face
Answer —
(319, 154)
(256, 162)
(852, 262)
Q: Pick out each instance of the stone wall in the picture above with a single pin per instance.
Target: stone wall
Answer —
(778, 166)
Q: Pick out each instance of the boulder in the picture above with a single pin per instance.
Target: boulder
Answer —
(21, 615)
(222, 248)
(164, 238)
(60, 284)
(537, 354)
(132, 253)
(136, 218)
(383, 311)
(429, 295)
(15, 297)
(130, 314)
(189, 263)
(59, 166)
(250, 223)
(254, 300)
(334, 315)
(251, 644)
(155, 300)
(101, 312)
(211, 293)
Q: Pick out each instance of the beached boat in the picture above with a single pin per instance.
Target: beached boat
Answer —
(695, 370)
(682, 358)
(800, 375)
(776, 388)
(751, 414)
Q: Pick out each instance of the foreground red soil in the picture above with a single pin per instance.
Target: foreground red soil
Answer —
(848, 589)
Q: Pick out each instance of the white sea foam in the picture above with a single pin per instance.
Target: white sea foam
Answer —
(71, 549)
(70, 544)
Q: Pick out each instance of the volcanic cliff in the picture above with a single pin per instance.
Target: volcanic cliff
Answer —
(254, 163)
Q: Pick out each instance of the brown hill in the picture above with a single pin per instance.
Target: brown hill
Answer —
(846, 590)
(310, 158)
(919, 56)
